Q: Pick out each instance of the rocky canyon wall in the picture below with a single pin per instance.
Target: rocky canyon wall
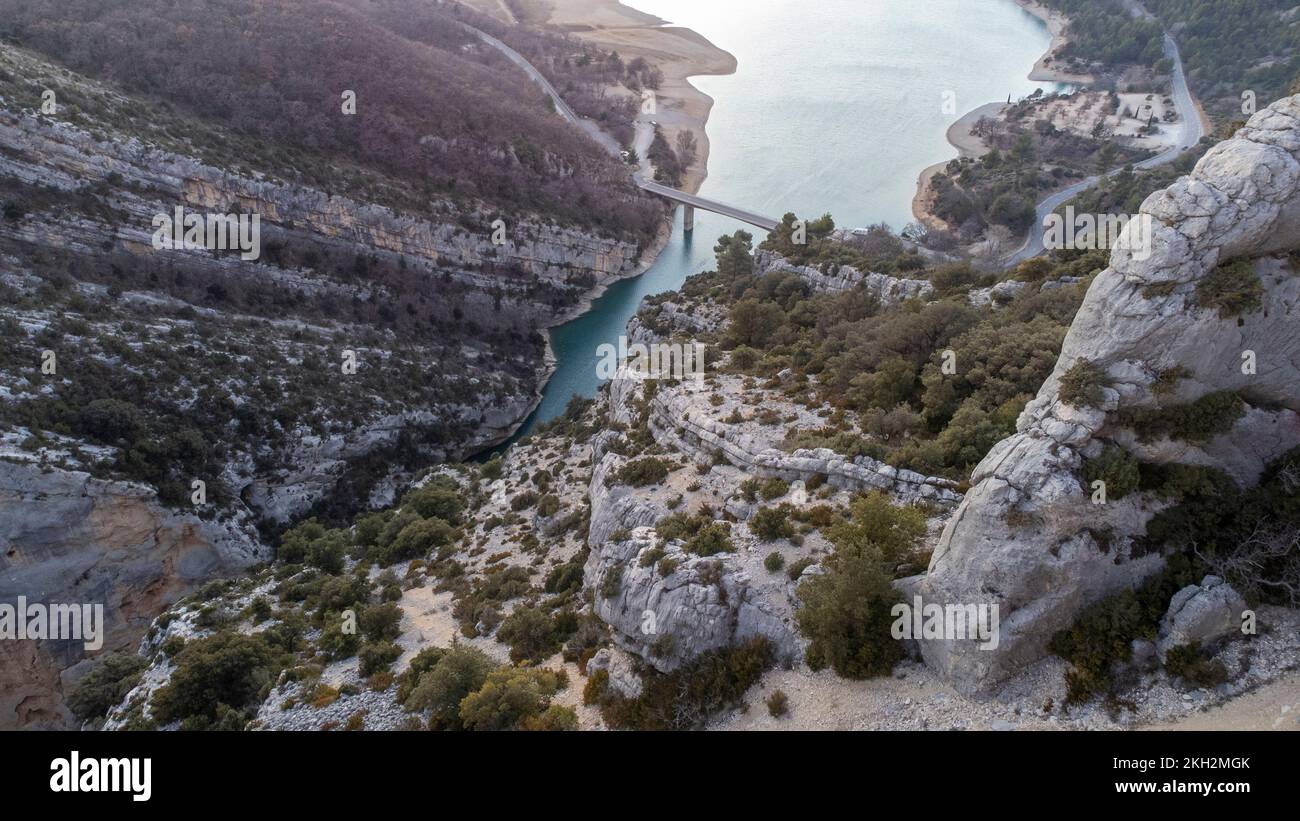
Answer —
(1029, 535)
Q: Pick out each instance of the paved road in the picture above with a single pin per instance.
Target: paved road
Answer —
(561, 107)
(644, 136)
(1190, 132)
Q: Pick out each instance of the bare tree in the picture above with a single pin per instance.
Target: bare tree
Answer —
(1266, 564)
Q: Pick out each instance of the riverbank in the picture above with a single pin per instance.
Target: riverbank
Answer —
(960, 133)
(679, 53)
(1044, 70)
(961, 136)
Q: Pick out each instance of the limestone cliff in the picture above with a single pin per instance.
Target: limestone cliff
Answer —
(1028, 535)
(68, 538)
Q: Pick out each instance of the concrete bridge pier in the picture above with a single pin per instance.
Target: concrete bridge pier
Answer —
(688, 218)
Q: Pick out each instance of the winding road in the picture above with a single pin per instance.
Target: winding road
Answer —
(644, 137)
(1190, 131)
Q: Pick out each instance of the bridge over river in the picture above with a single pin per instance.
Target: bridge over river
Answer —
(611, 145)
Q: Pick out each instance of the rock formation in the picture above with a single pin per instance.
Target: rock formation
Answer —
(67, 538)
(1200, 614)
(889, 290)
(1028, 535)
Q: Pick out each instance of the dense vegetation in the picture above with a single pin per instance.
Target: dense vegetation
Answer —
(881, 372)
(1234, 46)
(433, 106)
(686, 698)
(846, 609)
(1028, 157)
(1103, 31)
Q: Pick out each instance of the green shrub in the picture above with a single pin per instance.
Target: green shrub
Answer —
(377, 657)
(874, 521)
(313, 544)
(1231, 289)
(1191, 664)
(548, 505)
(650, 470)
(439, 499)
(523, 500)
(796, 570)
(459, 672)
(510, 697)
(225, 670)
(105, 685)
(1117, 468)
(680, 526)
(492, 469)
(594, 690)
(335, 643)
(566, 577)
(381, 622)
(772, 523)
(773, 488)
(778, 704)
(1198, 422)
(712, 539)
(1103, 633)
(774, 562)
(533, 635)
(846, 615)
(612, 583)
(415, 541)
(554, 719)
(687, 697)
(423, 662)
(1081, 385)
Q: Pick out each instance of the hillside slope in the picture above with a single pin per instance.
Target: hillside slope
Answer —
(410, 255)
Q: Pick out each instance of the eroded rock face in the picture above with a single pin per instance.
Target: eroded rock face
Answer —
(1027, 535)
(704, 604)
(685, 417)
(889, 290)
(70, 539)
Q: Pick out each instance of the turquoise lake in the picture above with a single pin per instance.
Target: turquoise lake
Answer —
(836, 106)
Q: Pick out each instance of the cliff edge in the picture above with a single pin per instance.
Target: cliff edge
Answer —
(1206, 311)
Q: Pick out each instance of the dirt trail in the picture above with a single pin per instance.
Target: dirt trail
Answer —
(1275, 706)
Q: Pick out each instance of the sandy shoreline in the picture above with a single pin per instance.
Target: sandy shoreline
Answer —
(959, 133)
(679, 53)
(960, 137)
(1056, 23)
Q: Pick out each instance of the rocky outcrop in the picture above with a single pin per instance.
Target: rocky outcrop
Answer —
(658, 320)
(1027, 536)
(149, 180)
(836, 278)
(703, 604)
(1201, 613)
(687, 419)
(70, 539)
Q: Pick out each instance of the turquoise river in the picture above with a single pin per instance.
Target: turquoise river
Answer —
(837, 106)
